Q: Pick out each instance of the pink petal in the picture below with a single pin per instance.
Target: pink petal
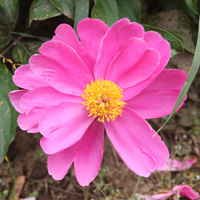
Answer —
(25, 78)
(175, 165)
(62, 70)
(15, 97)
(138, 64)
(187, 191)
(29, 120)
(133, 139)
(154, 104)
(91, 32)
(183, 190)
(160, 196)
(59, 163)
(33, 129)
(109, 48)
(172, 78)
(132, 30)
(154, 40)
(127, 57)
(64, 124)
(164, 49)
(86, 153)
(131, 92)
(65, 33)
(159, 98)
(45, 97)
(176, 191)
(113, 41)
(89, 155)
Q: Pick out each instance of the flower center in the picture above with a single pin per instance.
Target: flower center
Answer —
(103, 100)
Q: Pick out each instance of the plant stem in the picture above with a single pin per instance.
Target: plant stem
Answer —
(12, 195)
(136, 187)
(97, 186)
(11, 45)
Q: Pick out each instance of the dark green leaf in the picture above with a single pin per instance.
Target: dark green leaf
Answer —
(175, 22)
(192, 4)
(173, 40)
(82, 11)
(67, 7)
(4, 35)
(129, 9)
(8, 119)
(5, 19)
(22, 52)
(189, 80)
(6, 25)
(106, 10)
(42, 9)
(10, 7)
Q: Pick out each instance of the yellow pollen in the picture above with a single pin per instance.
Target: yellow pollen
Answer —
(103, 100)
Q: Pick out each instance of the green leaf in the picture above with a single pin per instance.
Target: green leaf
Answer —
(5, 19)
(10, 7)
(192, 4)
(173, 40)
(67, 7)
(8, 119)
(6, 25)
(42, 9)
(106, 10)
(22, 52)
(4, 35)
(129, 9)
(176, 22)
(81, 12)
(189, 80)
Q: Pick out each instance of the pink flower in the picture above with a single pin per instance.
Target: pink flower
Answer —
(113, 79)
(175, 165)
(176, 192)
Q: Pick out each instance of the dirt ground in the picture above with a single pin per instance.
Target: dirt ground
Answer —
(115, 180)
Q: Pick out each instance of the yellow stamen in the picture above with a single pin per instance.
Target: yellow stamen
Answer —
(103, 100)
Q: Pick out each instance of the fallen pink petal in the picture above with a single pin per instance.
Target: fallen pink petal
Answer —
(176, 165)
(29, 198)
(176, 192)
(112, 79)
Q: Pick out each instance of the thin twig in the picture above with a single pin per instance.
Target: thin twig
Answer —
(136, 187)
(86, 194)
(11, 45)
(97, 186)
(14, 180)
